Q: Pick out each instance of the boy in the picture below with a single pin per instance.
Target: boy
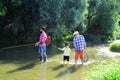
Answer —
(66, 54)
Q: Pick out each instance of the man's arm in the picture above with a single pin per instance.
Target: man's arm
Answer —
(74, 42)
(84, 41)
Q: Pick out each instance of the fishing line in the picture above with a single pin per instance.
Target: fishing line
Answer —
(16, 46)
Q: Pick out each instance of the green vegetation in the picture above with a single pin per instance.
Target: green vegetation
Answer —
(105, 22)
(108, 73)
(115, 46)
(92, 38)
(113, 74)
(21, 19)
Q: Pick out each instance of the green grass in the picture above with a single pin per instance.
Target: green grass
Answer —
(109, 72)
(99, 68)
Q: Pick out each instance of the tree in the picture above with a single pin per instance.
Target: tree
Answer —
(26, 16)
(105, 24)
(92, 10)
(62, 16)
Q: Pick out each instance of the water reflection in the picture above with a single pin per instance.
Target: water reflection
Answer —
(43, 72)
(20, 53)
(29, 52)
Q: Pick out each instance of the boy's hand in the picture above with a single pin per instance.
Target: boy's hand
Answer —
(58, 48)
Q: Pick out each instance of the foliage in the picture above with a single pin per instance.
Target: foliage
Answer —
(74, 12)
(105, 23)
(115, 46)
(92, 10)
(69, 37)
(92, 38)
(61, 15)
(23, 18)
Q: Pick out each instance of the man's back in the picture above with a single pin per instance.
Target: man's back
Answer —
(79, 42)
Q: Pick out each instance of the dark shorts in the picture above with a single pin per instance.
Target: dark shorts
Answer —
(66, 58)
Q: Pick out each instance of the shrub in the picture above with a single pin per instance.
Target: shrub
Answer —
(115, 47)
(69, 37)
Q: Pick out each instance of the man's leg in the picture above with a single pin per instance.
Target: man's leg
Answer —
(76, 57)
(81, 57)
(44, 54)
(40, 55)
(44, 57)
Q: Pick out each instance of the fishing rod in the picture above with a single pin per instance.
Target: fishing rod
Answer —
(17, 46)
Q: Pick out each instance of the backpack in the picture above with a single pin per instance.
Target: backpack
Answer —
(48, 40)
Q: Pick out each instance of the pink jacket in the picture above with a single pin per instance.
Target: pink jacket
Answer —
(42, 39)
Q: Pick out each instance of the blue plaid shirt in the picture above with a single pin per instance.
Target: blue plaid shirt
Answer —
(79, 43)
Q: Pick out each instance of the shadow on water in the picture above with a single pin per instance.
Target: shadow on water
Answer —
(27, 66)
(69, 70)
(58, 67)
(20, 53)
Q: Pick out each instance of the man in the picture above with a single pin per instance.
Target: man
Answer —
(79, 44)
(42, 45)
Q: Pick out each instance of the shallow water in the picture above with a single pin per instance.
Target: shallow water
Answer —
(25, 59)
(21, 63)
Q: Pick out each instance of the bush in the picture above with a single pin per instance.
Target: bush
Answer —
(115, 47)
(69, 37)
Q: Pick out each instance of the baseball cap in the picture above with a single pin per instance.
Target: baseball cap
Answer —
(76, 32)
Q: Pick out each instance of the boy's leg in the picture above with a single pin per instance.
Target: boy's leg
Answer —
(63, 59)
(68, 59)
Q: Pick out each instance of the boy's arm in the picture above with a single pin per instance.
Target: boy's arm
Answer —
(61, 49)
